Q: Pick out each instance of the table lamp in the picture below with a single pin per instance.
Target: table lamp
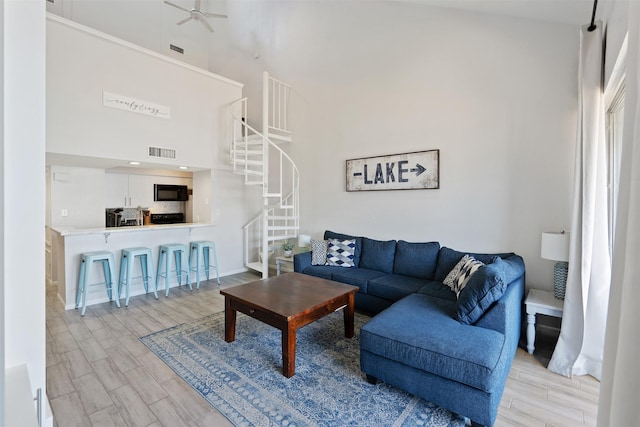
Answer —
(555, 247)
(304, 240)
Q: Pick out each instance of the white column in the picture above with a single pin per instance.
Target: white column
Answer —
(22, 196)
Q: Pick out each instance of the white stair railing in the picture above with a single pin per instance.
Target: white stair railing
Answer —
(275, 107)
(250, 152)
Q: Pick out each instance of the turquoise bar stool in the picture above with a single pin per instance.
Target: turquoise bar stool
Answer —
(164, 264)
(206, 250)
(87, 260)
(126, 270)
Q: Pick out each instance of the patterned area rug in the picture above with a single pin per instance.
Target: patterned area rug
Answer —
(243, 380)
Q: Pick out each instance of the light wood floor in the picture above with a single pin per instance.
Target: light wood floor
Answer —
(100, 374)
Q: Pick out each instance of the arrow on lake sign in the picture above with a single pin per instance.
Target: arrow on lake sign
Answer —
(418, 169)
(394, 173)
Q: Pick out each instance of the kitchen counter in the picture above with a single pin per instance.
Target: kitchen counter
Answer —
(67, 245)
(70, 231)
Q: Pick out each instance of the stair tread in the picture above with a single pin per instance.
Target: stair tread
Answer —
(257, 266)
(285, 237)
(247, 144)
(242, 152)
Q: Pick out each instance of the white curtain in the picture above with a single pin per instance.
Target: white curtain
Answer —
(620, 388)
(580, 347)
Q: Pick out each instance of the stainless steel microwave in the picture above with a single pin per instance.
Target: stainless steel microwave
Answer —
(170, 193)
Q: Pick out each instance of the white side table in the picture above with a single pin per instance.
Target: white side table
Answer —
(540, 302)
(283, 260)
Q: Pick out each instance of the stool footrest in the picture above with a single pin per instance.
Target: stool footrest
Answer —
(86, 262)
(203, 250)
(164, 261)
(126, 270)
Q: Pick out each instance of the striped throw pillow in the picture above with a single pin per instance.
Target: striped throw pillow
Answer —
(459, 276)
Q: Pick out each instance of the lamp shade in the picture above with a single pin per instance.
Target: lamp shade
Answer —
(555, 246)
(304, 240)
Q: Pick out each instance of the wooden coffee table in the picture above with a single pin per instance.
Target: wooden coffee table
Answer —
(288, 302)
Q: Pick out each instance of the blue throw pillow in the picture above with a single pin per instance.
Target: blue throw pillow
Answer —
(333, 235)
(416, 259)
(485, 287)
(377, 255)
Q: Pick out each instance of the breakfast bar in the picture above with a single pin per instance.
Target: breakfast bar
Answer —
(67, 245)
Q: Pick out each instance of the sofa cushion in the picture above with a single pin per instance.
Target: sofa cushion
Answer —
(420, 331)
(394, 286)
(355, 276)
(485, 287)
(416, 259)
(322, 271)
(377, 254)
(460, 274)
(318, 252)
(340, 252)
(333, 235)
(448, 258)
(513, 268)
(438, 290)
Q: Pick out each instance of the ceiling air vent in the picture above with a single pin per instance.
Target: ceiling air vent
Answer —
(165, 153)
(176, 48)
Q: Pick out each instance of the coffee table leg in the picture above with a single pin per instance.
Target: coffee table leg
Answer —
(289, 351)
(349, 316)
(229, 321)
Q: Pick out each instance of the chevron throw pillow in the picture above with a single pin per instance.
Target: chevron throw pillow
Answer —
(459, 276)
(340, 252)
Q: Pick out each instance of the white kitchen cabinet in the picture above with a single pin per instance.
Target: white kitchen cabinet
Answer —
(175, 180)
(116, 190)
(128, 190)
(141, 190)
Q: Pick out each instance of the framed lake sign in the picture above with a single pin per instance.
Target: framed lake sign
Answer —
(409, 171)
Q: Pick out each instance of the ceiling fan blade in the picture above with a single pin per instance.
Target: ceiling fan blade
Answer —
(206, 24)
(183, 21)
(214, 15)
(176, 6)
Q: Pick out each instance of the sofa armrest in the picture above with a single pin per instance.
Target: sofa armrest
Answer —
(506, 314)
(513, 268)
(301, 261)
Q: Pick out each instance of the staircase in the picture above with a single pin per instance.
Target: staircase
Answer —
(257, 157)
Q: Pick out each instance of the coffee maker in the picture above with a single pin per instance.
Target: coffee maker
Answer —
(113, 217)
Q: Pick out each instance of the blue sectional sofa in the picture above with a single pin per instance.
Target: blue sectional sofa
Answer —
(454, 351)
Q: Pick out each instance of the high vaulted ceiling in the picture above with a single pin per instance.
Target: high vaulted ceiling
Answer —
(574, 12)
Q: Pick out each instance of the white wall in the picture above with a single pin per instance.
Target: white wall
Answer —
(497, 96)
(151, 24)
(202, 196)
(2, 206)
(79, 191)
(22, 195)
(81, 65)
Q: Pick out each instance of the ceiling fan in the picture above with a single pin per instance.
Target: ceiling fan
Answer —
(197, 14)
